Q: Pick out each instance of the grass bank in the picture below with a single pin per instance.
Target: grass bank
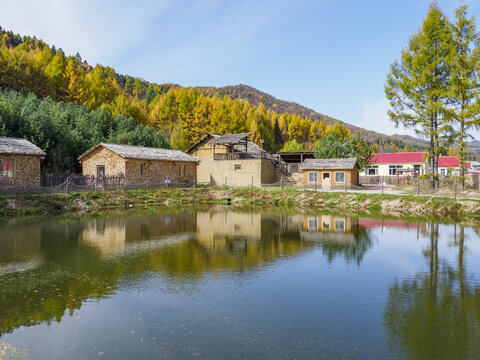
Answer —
(346, 203)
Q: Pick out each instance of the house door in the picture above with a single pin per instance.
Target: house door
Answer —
(326, 180)
(100, 173)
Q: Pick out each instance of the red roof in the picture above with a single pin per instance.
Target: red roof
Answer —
(399, 224)
(398, 158)
(448, 161)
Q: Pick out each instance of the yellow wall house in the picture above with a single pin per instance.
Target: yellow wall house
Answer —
(330, 173)
(19, 162)
(232, 159)
(140, 165)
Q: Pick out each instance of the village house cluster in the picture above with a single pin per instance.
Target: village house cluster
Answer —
(229, 159)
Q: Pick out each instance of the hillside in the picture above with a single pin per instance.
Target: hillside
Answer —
(180, 115)
(256, 97)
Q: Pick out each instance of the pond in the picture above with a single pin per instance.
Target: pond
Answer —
(222, 284)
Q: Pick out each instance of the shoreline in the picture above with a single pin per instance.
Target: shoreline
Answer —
(353, 204)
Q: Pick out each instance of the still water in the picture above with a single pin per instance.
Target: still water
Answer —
(219, 284)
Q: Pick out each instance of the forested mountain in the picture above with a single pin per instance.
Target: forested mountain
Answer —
(255, 97)
(180, 115)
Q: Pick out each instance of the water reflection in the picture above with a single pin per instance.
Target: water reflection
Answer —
(49, 268)
(435, 314)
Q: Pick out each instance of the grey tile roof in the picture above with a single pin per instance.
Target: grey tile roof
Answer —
(230, 138)
(140, 152)
(9, 145)
(326, 164)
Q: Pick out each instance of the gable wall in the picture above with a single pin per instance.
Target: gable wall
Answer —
(114, 164)
(26, 170)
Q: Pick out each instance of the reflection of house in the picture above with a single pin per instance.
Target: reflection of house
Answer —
(20, 248)
(368, 223)
(139, 165)
(232, 160)
(19, 162)
(113, 236)
(217, 230)
(330, 172)
(329, 228)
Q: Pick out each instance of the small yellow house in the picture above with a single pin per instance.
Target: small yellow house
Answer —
(19, 162)
(330, 173)
(139, 165)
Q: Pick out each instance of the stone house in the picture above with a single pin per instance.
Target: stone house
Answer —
(139, 165)
(19, 162)
(329, 173)
(232, 159)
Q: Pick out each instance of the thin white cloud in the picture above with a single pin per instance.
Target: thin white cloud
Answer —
(98, 30)
(374, 116)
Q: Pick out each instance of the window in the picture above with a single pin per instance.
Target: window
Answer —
(312, 223)
(312, 177)
(340, 176)
(101, 171)
(143, 169)
(238, 167)
(372, 170)
(326, 175)
(182, 170)
(6, 167)
(394, 169)
(339, 224)
(416, 169)
(442, 172)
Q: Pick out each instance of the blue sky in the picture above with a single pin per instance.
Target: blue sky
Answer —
(329, 55)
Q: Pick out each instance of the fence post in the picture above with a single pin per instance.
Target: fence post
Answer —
(381, 182)
(281, 182)
(68, 181)
(418, 186)
(455, 188)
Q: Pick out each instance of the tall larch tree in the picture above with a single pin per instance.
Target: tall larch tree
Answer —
(417, 85)
(464, 81)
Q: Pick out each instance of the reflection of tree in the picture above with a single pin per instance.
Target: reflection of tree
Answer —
(436, 314)
(350, 251)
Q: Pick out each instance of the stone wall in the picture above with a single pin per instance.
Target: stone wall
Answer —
(26, 171)
(114, 164)
(157, 171)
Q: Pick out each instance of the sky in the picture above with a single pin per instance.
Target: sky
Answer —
(332, 56)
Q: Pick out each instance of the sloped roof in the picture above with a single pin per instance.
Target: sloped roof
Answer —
(9, 145)
(448, 161)
(252, 148)
(230, 139)
(398, 158)
(140, 152)
(327, 164)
